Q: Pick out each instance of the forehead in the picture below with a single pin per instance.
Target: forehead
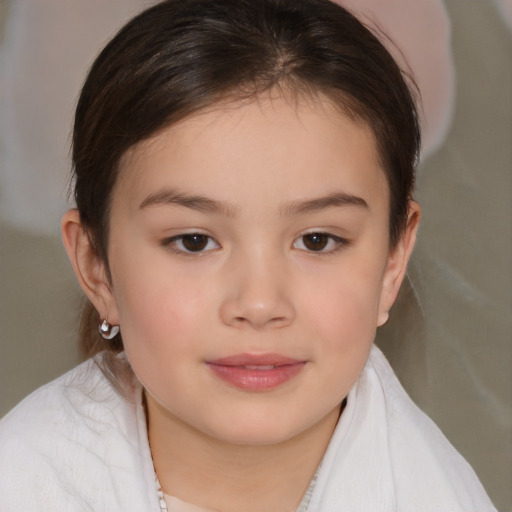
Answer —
(282, 148)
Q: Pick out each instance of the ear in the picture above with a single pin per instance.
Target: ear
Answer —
(89, 268)
(397, 263)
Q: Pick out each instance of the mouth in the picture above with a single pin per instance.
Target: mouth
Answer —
(256, 372)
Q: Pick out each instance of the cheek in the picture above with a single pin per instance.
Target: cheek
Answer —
(344, 309)
(161, 321)
(158, 307)
(345, 320)
(346, 323)
(344, 314)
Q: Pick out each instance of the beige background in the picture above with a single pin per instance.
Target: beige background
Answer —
(450, 335)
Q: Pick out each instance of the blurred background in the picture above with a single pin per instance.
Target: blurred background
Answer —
(450, 334)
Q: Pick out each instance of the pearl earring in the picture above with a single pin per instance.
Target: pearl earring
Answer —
(108, 331)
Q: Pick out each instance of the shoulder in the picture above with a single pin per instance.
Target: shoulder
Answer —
(386, 454)
(425, 462)
(59, 445)
(83, 393)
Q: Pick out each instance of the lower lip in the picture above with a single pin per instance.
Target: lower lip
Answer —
(256, 379)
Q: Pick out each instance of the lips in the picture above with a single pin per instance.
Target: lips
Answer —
(256, 372)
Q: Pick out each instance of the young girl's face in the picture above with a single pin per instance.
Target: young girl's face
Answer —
(250, 261)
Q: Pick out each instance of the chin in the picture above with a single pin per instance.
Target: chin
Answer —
(266, 429)
(258, 435)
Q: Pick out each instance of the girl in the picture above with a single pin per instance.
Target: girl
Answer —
(243, 176)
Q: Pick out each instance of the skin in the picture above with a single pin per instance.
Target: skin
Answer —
(256, 287)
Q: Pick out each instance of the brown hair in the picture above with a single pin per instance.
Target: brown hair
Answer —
(181, 56)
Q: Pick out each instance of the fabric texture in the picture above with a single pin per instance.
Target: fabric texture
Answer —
(80, 444)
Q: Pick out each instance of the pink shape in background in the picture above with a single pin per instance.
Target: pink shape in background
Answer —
(421, 31)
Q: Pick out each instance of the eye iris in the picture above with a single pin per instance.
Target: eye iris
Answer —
(316, 241)
(195, 242)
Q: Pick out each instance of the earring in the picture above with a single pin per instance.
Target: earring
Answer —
(384, 320)
(108, 331)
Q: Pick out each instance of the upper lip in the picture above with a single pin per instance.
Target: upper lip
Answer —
(255, 360)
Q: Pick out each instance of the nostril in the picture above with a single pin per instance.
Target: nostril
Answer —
(280, 320)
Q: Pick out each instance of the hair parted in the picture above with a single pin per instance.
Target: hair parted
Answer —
(182, 56)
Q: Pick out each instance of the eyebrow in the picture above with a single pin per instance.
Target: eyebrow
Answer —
(195, 202)
(207, 205)
(332, 200)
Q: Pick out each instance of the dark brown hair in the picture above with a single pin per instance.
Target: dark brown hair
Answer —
(181, 56)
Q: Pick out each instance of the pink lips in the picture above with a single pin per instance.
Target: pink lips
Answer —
(256, 372)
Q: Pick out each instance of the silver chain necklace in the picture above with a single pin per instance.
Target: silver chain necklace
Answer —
(160, 494)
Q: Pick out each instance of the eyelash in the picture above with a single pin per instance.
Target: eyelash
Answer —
(173, 242)
(329, 239)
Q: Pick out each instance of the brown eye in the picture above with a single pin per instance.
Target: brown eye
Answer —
(323, 243)
(316, 241)
(191, 243)
(194, 242)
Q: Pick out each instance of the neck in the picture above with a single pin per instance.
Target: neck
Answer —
(226, 477)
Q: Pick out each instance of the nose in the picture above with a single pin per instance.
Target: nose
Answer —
(257, 295)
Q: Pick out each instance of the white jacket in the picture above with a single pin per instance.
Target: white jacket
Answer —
(76, 445)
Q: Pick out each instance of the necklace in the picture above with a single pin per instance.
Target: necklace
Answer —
(303, 507)
(304, 504)
(160, 494)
